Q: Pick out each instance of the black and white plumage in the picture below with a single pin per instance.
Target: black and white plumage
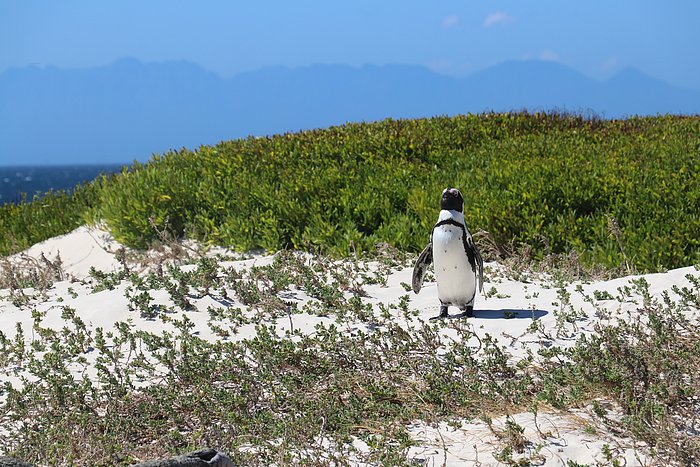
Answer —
(459, 269)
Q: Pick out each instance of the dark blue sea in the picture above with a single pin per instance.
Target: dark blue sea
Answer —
(38, 180)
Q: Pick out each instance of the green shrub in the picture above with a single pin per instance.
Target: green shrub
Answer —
(56, 213)
(153, 198)
(552, 181)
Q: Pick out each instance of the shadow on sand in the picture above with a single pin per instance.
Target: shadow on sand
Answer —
(509, 314)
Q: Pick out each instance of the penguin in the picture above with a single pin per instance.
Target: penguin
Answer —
(458, 266)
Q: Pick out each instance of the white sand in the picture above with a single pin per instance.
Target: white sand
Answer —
(79, 250)
(506, 315)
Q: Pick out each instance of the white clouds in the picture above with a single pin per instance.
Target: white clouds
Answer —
(450, 21)
(549, 56)
(498, 17)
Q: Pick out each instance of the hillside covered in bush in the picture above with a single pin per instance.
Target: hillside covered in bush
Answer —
(555, 182)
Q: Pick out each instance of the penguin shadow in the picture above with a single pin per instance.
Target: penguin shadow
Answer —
(509, 313)
(224, 302)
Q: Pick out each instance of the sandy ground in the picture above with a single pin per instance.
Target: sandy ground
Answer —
(553, 438)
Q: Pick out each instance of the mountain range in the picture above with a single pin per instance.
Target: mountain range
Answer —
(129, 110)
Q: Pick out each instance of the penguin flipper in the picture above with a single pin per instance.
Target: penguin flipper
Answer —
(473, 253)
(424, 260)
(480, 266)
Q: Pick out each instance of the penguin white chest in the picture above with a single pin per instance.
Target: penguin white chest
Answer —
(456, 279)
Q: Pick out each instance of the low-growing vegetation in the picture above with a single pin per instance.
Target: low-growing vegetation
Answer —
(575, 197)
(557, 183)
(55, 213)
(115, 396)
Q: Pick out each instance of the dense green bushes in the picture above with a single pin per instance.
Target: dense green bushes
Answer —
(55, 213)
(548, 180)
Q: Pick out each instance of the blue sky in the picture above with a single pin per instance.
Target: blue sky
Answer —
(597, 38)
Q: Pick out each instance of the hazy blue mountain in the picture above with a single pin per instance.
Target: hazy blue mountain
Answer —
(129, 110)
(535, 85)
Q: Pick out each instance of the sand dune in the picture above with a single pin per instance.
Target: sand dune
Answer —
(507, 314)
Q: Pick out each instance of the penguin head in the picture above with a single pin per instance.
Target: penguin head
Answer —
(451, 200)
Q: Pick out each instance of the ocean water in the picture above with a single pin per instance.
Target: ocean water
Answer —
(14, 181)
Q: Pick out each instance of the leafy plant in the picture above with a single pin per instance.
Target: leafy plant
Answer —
(556, 184)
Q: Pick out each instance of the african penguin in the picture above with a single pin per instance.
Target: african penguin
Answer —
(457, 263)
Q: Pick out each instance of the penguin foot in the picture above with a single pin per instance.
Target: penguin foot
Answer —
(467, 312)
(443, 314)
